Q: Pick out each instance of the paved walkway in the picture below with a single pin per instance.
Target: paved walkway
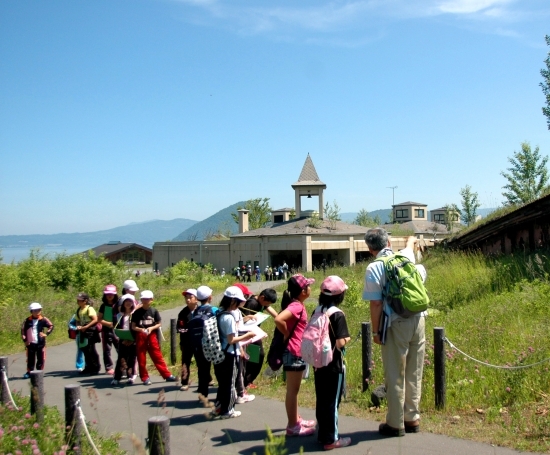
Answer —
(127, 409)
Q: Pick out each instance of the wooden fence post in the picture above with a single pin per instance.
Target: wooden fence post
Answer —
(158, 435)
(4, 380)
(366, 343)
(37, 394)
(439, 367)
(173, 341)
(73, 425)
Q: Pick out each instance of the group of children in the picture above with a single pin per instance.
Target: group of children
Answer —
(130, 327)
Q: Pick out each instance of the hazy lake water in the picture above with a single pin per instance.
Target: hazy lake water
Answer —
(18, 254)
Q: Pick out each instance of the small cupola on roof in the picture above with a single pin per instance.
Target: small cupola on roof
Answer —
(308, 185)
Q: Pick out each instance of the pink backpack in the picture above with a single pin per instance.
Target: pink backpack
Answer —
(316, 347)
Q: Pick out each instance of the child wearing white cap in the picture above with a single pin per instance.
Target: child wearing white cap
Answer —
(145, 322)
(34, 331)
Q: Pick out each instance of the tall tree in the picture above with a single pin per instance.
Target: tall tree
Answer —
(527, 177)
(259, 213)
(452, 214)
(470, 204)
(545, 84)
(363, 219)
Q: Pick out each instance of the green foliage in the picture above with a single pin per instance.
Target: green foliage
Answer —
(259, 214)
(364, 219)
(21, 433)
(452, 216)
(527, 176)
(545, 84)
(332, 214)
(470, 204)
(314, 221)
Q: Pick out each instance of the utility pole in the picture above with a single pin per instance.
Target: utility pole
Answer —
(393, 193)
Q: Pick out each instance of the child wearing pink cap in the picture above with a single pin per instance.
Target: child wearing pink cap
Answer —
(106, 316)
(330, 380)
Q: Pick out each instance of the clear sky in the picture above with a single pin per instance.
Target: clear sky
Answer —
(116, 111)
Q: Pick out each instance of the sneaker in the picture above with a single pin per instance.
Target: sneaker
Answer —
(147, 382)
(184, 388)
(110, 371)
(412, 427)
(114, 382)
(171, 378)
(307, 423)
(342, 442)
(231, 415)
(211, 383)
(132, 379)
(26, 376)
(299, 430)
(80, 370)
(245, 398)
(385, 430)
(251, 386)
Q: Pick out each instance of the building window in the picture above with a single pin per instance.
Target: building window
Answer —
(403, 213)
(439, 217)
(419, 213)
(278, 218)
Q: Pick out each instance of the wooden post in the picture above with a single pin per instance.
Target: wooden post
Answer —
(173, 341)
(439, 367)
(159, 435)
(37, 394)
(73, 425)
(4, 380)
(367, 353)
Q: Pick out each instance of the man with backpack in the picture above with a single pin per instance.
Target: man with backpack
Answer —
(398, 301)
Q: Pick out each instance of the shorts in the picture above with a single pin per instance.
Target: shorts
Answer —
(292, 362)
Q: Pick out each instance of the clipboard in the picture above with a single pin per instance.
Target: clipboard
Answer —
(253, 351)
(124, 334)
(108, 313)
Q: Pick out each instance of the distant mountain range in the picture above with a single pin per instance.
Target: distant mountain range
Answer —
(149, 232)
(220, 222)
(145, 234)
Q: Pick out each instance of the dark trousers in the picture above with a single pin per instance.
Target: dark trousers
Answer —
(328, 391)
(239, 380)
(204, 368)
(126, 360)
(252, 369)
(36, 356)
(187, 353)
(226, 374)
(91, 358)
(108, 341)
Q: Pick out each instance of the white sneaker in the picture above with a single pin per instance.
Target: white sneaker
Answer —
(231, 415)
(114, 382)
(245, 398)
(132, 379)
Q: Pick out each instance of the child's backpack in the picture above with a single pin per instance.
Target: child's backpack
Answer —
(404, 290)
(316, 347)
(211, 343)
(195, 327)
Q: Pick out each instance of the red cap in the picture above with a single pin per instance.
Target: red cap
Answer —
(243, 288)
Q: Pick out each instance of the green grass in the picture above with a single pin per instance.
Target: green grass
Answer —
(496, 310)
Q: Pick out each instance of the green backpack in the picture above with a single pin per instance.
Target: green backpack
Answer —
(404, 291)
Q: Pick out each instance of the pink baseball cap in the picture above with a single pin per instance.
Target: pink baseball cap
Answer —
(109, 289)
(302, 281)
(333, 285)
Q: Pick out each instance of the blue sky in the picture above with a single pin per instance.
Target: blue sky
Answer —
(114, 111)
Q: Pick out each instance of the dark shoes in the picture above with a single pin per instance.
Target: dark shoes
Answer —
(171, 378)
(385, 430)
(412, 427)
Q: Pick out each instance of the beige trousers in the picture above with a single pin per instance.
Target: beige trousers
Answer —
(403, 358)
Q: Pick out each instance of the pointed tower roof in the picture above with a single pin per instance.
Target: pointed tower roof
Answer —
(308, 176)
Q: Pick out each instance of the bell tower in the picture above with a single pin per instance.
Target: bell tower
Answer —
(308, 185)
